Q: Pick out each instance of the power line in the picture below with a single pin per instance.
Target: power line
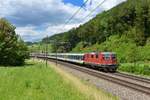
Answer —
(88, 14)
(75, 13)
(95, 9)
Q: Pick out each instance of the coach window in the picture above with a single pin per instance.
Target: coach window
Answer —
(77, 57)
(92, 56)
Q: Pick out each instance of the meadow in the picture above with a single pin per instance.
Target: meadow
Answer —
(35, 81)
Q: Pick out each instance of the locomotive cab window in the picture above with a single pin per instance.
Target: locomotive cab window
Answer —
(107, 56)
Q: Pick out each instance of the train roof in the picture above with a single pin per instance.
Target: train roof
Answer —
(101, 53)
(73, 54)
(82, 54)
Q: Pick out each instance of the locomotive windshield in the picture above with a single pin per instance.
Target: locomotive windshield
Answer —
(108, 56)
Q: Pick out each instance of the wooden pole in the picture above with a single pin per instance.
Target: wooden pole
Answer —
(46, 51)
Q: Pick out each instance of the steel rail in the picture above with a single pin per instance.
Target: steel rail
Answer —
(142, 79)
(105, 76)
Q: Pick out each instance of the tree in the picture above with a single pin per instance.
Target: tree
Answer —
(13, 50)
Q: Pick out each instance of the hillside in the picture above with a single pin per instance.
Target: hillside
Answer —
(125, 29)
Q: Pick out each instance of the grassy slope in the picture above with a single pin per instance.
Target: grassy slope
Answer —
(35, 82)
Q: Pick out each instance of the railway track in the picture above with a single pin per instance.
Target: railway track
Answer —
(141, 79)
(113, 77)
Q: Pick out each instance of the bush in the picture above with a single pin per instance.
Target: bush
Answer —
(136, 68)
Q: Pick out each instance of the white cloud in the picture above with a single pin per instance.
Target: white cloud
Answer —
(60, 28)
(29, 33)
(37, 18)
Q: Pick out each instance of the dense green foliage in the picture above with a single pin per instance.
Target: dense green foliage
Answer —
(124, 29)
(137, 68)
(13, 51)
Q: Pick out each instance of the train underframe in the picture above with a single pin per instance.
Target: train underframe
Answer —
(105, 68)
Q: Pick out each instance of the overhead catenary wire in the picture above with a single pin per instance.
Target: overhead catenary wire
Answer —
(75, 13)
(80, 9)
(100, 4)
(95, 9)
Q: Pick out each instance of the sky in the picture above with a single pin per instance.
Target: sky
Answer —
(74, 2)
(36, 19)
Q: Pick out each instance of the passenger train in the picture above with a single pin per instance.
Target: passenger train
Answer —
(106, 61)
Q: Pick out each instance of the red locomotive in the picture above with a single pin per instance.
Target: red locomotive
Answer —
(104, 61)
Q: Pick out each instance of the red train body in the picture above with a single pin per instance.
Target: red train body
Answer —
(103, 60)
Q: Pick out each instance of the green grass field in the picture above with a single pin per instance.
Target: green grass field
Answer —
(36, 82)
